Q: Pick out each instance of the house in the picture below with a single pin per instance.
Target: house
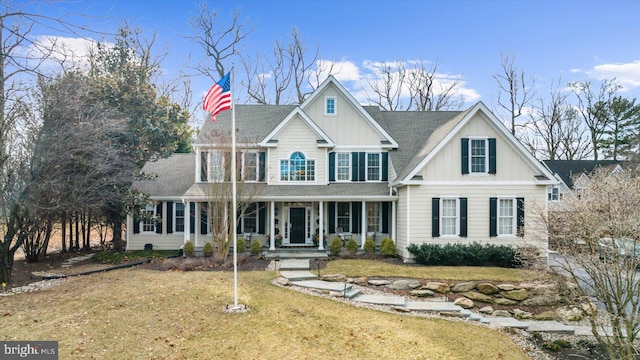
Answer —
(332, 167)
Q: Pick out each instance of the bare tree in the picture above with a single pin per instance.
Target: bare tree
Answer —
(515, 91)
(428, 91)
(388, 85)
(596, 236)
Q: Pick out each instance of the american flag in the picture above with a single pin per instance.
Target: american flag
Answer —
(218, 98)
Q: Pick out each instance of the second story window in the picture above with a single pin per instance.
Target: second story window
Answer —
(250, 166)
(217, 166)
(297, 168)
(330, 105)
(478, 156)
(373, 167)
(343, 166)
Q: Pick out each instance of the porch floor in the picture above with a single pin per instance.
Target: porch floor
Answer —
(296, 253)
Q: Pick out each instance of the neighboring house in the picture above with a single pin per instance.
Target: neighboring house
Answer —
(331, 163)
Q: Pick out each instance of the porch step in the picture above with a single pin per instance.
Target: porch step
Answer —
(296, 254)
(294, 264)
(324, 285)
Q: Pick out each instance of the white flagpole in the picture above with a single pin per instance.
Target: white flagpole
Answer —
(234, 191)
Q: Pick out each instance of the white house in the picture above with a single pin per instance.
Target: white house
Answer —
(331, 163)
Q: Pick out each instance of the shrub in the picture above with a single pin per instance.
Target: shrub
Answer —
(335, 246)
(207, 249)
(388, 248)
(241, 245)
(256, 248)
(352, 246)
(465, 254)
(189, 248)
(369, 246)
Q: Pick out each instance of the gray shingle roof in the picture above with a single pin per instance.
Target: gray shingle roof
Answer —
(568, 170)
(347, 191)
(175, 175)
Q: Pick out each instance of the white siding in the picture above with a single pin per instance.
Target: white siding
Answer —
(401, 223)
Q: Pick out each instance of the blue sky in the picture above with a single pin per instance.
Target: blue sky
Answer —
(574, 40)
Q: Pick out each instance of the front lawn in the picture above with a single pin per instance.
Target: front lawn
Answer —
(147, 314)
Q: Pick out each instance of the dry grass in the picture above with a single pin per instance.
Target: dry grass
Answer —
(145, 314)
(354, 268)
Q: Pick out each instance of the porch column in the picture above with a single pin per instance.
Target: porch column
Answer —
(198, 224)
(393, 221)
(363, 236)
(187, 221)
(321, 231)
(272, 225)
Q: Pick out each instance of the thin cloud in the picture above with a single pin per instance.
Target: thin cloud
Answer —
(627, 75)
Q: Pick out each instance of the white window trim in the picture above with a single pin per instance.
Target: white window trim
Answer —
(366, 171)
(348, 166)
(378, 226)
(486, 156)
(335, 105)
(152, 209)
(175, 223)
(350, 215)
(514, 222)
(550, 194)
(244, 159)
(307, 159)
(457, 199)
(257, 216)
(211, 167)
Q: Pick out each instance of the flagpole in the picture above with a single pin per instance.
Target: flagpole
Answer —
(234, 193)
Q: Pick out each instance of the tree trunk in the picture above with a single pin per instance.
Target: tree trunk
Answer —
(63, 236)
(6, 264)
(87, 244)
(117, 234)
(77, 243)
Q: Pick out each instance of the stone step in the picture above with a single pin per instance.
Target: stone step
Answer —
(436, 306)
(381, 299)
(351, 293)
(294, 264)
(505, 322)
(295, 254)
(298, 275)
(323, 285)
(550, 326)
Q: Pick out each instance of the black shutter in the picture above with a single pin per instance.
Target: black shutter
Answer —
(203, 166)
(239, 220)
(159, 218)
(435, 217)
(136, 224)
(465, 155)
(463, 217)
(239, 165)
(262, 163)
(262, 218)
(362, 166)
(385, 166)
(356, 215)
(204, 223)
(227, 166)
(354, 166)
(493, 216)
(332, 166)
(192, 217)
(332, 217)
(385, 217)
(520, 213)
(492, 156)
(169, 217)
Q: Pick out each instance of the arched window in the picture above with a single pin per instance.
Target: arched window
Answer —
(297, 168)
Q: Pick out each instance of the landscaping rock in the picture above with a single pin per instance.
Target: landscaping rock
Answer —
(463, 287)
(589, 307)
(501, 313)
(521, 314)
(452, 314)
(476, 296)
(506, 302)
(487, 288)
(545, 315)
(421, 293)
(486, 310)
(442, 288)
(283, 281)
(363, 281)
(519, 294)
(541, 300)
(378, 282)
(401, 309)
(506, 287)
(570, 314)
(405, 284)
(463, 302)
(334, 278)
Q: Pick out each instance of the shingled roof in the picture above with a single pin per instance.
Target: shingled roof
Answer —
(568, 170)
(175, 176)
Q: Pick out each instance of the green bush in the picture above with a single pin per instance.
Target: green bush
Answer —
(189, 249)
(388, 248)
(473, 254)
(256, 248)
(352, 246)
(207, 249)
(556, 345)
(369, 246)
(241, 244)
(335, 246)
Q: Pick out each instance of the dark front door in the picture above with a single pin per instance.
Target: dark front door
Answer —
(296, 215)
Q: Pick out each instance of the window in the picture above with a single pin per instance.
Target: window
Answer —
(330, 105)
(506, 217)
(449, 217)
(217, 167)
(373, 167)
(297, 168)
(250, 218)
(148, 219)
(343, 166)
(204, 170)
(554, 194)
(374, 222)
(342, 216)
(478, 156)
(179, 217)
(250, 166)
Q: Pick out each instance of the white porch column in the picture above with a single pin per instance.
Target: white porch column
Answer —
(272, 225)
(321, 231)
(196, 233)
(187, 221)
(393, 221)
(363, 231)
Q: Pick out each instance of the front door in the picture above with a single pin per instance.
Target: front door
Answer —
(297, 218)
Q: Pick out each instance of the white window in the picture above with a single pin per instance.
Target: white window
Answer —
(373, 167)
(479, 156)
(250, 166)
(179, 217)
(297, 168)
(374, 222)
(343, 166)
(330, 105)
(343, 218)
(554, 194)
(250, 219)
(217, 166)
(148, 223)
(507, 216)
(449, 224)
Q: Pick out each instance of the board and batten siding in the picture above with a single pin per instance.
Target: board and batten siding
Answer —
(347, 126)
(297, 136)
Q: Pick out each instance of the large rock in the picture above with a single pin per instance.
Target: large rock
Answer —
(506, 287)
(521, 314)
(440, 287)
(506, 302)
(476, 296)
(334, 278)
(519, 294)
(421, 293)
(570, 314)
(463, 287)
(463, 302)
(379, 282)
(405, 284)
(501, 313)
(545, 315)
(487, 288)
(541, 300)
(363, 281)
(486, 310)
(283, 281)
